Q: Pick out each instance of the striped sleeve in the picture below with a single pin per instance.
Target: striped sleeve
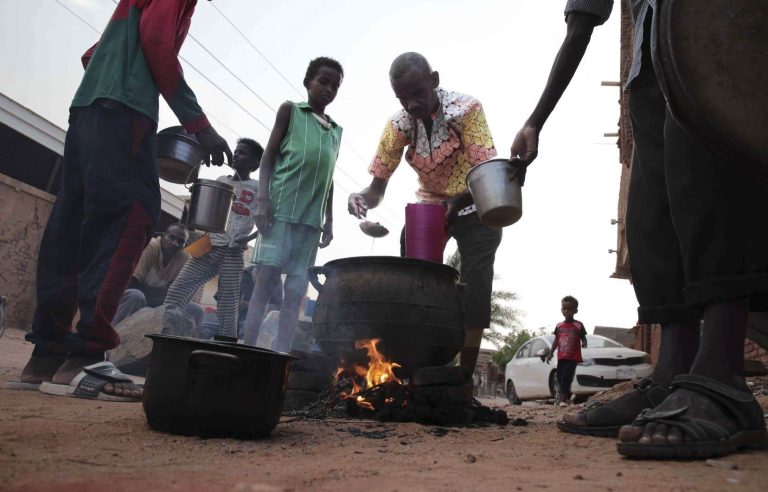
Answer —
(599, 8)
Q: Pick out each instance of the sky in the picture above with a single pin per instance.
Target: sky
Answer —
(498, 51)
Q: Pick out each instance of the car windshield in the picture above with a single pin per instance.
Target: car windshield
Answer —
(601, 342)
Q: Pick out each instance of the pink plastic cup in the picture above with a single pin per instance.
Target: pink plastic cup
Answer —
(425, 231)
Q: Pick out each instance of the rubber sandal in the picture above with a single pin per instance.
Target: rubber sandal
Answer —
(89, 383)
(604, 419)
(738, 421)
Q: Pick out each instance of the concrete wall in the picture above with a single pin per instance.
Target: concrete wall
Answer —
(24, 211)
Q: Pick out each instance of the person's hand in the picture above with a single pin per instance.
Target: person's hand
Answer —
(264, 218)
(327, 235)
(357, 206)
(451, 209)
(215, 147)
(524, 150)
(549, 358)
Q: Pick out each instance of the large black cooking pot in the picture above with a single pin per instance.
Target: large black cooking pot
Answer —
(196, 387)
(414, 306)
(711, 62)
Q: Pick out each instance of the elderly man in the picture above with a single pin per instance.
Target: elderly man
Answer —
(695, 253)
(443, 135)
(158, 267)
(109, 198)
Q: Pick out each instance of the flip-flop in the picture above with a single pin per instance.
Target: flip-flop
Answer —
(604, 419)
(737, 421)
(89, 383)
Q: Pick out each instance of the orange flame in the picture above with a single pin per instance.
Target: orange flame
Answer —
(379, 371)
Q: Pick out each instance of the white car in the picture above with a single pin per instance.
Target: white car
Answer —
(606, 363)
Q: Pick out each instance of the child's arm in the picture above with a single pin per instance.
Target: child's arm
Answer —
(552, 349)
(583, 335)
(327, 236)
(264, 217)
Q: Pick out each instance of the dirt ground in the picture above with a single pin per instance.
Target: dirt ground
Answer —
(68, 444)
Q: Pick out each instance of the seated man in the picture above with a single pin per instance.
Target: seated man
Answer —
(160, 263)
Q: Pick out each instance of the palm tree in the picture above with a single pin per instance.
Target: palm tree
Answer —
(503, 316)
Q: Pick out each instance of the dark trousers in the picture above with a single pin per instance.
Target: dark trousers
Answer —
(695, 222)
(477, 248)
(566, 370)
(102, 219)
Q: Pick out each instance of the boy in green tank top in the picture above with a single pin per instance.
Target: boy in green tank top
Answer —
(294, 213)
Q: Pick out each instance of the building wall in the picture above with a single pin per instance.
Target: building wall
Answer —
(24, 211)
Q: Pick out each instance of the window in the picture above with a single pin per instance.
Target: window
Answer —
(600, 342)
(537, 345)
(525, 351)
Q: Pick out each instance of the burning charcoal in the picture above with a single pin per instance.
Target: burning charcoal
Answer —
(440, 376)
(445, 394)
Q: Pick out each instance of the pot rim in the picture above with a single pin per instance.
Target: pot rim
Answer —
(209, 344)
(180, 138)
(489, 161)
(214, 184)
(393, 260)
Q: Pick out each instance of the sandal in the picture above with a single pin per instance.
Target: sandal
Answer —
(604, 419)
(90, 382)
(715, 420)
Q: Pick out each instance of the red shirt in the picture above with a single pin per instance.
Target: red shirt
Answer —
(568, 337)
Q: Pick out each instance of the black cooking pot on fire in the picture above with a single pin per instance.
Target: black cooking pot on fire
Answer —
(197, 387)
(414, 306)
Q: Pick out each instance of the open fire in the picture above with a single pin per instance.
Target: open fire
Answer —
(360, 379)
(433, 395)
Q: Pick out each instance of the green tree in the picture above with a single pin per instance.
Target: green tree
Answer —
(511, 343)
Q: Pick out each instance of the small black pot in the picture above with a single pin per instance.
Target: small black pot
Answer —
(197, 387)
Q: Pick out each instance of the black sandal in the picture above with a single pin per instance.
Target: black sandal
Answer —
(738, 421)
(604, 419)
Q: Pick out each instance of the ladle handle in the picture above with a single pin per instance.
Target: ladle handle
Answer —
(313, 273)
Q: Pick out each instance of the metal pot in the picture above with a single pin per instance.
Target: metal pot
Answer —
(179, 155)
(197, 387)
(715, 85)
(210, 204)
(414, 306)
(498, 198)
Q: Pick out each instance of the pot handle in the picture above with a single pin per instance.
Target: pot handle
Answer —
(236, 194)
(220, 361)
(313, 272)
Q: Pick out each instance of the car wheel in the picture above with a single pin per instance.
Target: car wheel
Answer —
(512, 393)
(554, 388)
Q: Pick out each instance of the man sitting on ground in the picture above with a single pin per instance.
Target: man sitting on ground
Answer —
(160, 263)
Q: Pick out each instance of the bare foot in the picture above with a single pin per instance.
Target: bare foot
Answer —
(41, 368)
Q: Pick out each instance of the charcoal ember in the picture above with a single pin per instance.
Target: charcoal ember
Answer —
(308, 381)
(438, 395)
(441, 376)
(298, 399)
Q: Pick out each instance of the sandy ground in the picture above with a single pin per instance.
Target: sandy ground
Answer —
(67, 444)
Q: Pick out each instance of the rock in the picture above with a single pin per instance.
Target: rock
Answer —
(134, 345)
(314, 362)
(178, 323)
(445, 393)
(440, 376)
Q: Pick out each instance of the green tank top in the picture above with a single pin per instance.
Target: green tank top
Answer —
(303, 172)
